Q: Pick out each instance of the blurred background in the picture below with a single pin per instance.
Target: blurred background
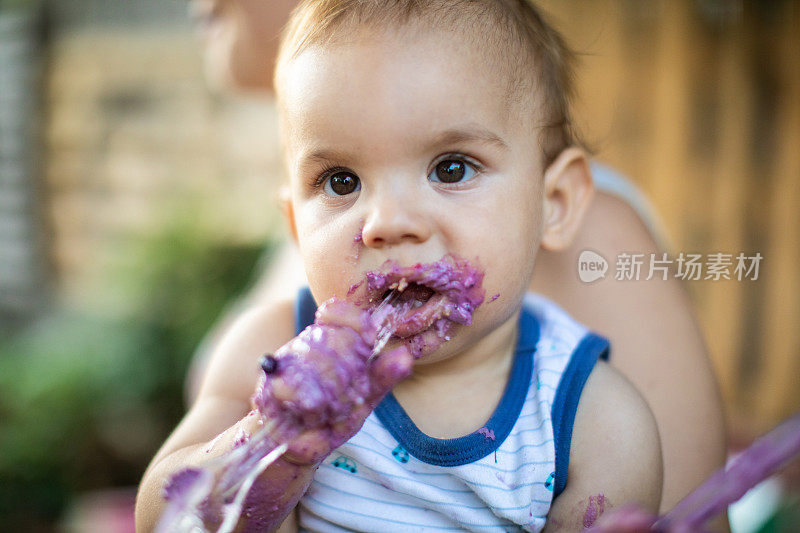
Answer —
(136, 203)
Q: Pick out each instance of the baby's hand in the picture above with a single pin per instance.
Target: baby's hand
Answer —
(322, 385)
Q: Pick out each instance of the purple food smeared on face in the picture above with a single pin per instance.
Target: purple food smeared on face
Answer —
(358, 240)
(430, 298)
(495, 297)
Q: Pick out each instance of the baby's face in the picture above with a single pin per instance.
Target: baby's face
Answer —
(403, 147)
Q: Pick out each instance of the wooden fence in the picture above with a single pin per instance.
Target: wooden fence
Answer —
(699, 103)
(22, 255)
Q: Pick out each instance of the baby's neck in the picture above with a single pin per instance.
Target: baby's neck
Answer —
(456, 396)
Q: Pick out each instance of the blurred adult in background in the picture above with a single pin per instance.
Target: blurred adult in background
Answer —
(656, 341)
(240, 39)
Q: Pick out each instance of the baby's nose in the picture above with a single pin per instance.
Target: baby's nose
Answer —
(393, 221)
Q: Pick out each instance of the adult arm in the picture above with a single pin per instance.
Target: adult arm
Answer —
(655, 341)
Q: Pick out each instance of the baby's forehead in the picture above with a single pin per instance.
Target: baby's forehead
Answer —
(420, 100)
(415, 70)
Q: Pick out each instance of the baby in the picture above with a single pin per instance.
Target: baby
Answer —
(425, 134)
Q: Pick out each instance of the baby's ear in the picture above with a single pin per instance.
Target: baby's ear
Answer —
(568, 190)
(287, 208)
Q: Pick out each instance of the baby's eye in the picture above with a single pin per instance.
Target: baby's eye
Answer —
(452, 171)
(342, 184)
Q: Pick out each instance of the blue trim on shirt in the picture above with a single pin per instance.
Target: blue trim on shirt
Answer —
(565, 403)
(475, 446)
(305, 310)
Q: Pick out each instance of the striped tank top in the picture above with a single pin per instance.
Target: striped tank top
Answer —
(390, 476)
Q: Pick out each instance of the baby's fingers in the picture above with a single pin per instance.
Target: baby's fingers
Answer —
(310, 446)
(387, 370)
(343, 314)
(295, 394)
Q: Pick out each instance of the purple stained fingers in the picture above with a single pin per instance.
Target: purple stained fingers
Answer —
(324, 383)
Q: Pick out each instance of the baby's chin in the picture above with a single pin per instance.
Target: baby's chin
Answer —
(427, 346)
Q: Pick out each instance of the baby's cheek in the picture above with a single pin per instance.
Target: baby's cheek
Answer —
(323, 285)
(509, 276)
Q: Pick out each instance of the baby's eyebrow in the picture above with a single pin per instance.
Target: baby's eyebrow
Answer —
(469, 133)
(452, 136)
(321, 156)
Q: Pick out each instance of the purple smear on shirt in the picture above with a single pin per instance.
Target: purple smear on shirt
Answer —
(486, 432)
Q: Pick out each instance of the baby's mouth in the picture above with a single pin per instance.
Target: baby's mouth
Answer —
(415, 308)
(423, 297)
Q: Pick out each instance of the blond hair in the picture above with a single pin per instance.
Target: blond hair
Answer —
(539, 63)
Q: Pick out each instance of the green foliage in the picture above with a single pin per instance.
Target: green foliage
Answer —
(86, 397)
(9, 4)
